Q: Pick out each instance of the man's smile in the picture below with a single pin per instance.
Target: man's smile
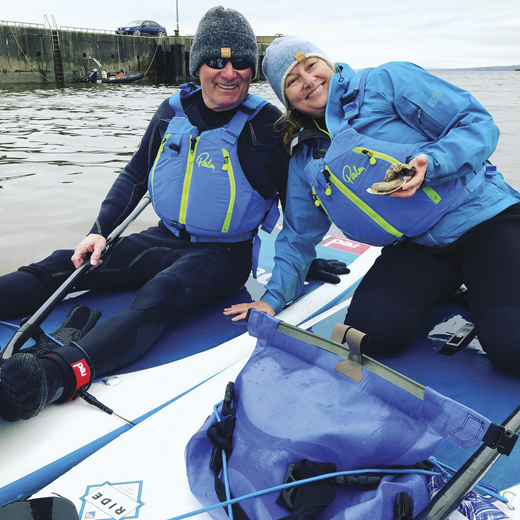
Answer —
(227, 87)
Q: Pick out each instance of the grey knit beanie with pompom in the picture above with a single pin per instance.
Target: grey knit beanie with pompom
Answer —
(223, 33)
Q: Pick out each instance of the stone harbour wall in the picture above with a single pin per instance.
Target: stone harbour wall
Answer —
(28, 55)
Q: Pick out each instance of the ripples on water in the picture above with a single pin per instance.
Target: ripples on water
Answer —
(61, 149)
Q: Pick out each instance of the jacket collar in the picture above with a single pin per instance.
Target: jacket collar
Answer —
(339, 95)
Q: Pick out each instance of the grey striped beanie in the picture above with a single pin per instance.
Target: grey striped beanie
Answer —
(223, 33)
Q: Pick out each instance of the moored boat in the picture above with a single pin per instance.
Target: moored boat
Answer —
(99, 75)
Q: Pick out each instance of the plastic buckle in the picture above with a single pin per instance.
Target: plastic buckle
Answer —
(288, 495)
(459, 340)
(180, 231)
(500, 439)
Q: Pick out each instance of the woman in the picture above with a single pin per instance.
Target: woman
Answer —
(453, 221)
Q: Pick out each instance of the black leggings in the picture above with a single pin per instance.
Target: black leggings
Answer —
(173, 277)
(408, 279)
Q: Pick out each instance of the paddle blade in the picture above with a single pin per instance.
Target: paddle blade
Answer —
(49, 508)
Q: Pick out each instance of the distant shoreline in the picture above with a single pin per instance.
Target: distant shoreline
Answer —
(504, 68)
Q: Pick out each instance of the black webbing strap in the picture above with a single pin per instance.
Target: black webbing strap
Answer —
(308, 500)
(220, 435)
(403, 506)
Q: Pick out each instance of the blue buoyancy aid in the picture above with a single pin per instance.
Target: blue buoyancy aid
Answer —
(197, 184)
(340, 176)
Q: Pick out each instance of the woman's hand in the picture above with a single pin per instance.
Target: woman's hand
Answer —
(413, 183)
(241, 309)
(94, 244)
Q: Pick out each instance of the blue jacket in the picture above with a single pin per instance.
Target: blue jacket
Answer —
(403, 103)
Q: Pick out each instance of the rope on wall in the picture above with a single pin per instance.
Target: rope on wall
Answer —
(26, 57)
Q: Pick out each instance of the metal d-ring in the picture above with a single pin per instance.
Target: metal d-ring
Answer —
(508, 504)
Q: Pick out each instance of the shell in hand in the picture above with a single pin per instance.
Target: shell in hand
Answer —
(392, 181)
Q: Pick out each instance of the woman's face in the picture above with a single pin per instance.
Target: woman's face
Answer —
(307, 87)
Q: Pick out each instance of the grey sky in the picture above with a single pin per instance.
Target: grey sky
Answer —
(440, 33)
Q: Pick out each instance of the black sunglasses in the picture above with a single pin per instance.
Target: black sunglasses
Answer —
(220, 63)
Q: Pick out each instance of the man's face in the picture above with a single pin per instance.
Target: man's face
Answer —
(224, 89)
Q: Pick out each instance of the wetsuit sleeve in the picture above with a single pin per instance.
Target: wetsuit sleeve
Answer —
(262, 156)
(462, 132)
(132, 183)
(304, 227)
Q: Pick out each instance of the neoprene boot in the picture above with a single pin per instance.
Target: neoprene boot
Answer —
(48, 372)
(29, 381)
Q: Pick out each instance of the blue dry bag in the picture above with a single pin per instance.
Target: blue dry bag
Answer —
(292, 414)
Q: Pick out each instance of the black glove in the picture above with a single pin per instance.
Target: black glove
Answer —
(327, 270)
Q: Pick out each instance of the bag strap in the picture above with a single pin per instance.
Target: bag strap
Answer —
(220, 435)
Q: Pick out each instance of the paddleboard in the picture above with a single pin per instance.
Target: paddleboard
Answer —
(193, 349)
(142, 474)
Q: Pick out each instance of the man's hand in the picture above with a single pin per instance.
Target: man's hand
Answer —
(94, 244)
(242, 308)
(327, 270)
(413, 183)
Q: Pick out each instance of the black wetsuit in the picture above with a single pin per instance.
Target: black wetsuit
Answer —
(173, 276)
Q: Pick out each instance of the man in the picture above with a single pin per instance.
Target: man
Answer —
(200, 251)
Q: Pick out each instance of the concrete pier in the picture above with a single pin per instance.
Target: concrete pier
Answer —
(37, 54)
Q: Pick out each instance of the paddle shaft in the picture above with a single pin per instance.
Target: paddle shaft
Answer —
(25, 331)
(449, 497)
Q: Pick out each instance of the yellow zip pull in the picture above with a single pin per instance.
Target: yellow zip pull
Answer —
(317, 202)
(373, 155)
(326, 173)
(369, 154)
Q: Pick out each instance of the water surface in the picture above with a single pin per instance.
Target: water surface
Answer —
(61, 149)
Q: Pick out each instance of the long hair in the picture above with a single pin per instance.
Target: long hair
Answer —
(290, 123)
